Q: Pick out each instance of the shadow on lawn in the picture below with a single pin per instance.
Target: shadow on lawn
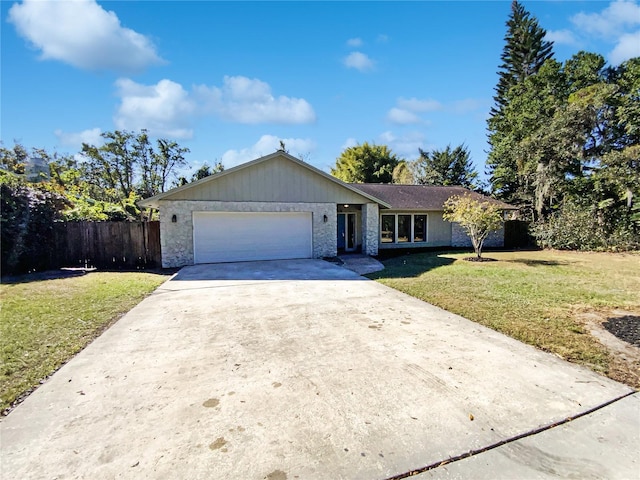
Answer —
(537, 263)
(72, 273)
(411, 265)
(40, 276)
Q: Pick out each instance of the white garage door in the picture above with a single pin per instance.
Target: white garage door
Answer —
(241, 236)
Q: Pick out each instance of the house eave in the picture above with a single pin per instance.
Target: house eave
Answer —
(154, 202)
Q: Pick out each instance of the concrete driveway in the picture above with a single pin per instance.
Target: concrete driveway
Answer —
(304, 370)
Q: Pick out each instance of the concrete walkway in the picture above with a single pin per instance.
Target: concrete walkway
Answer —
(360, 263)
(303, 369)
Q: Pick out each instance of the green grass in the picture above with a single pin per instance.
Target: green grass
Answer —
(534, 297)
(45, 322)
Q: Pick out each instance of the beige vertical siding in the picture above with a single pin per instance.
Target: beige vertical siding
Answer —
(277, 180)
(438, 230)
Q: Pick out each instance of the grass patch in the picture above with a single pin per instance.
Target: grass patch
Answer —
(46, 322)
(531, 296)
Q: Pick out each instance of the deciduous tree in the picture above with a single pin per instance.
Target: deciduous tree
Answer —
(127, 167)
(403, 174)
(206, 170)
(366, 164)
(14, 159)
(477, 218)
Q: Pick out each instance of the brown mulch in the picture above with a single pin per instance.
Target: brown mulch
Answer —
(619, 332)
(625, 327)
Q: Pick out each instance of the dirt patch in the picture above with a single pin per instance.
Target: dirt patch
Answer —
(619, 332)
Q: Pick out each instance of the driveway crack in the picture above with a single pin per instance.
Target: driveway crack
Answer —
(536, 431)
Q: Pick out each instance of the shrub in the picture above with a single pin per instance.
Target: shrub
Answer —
(590, 227)
(27, 214)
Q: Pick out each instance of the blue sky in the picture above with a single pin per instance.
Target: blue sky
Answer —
(229, 80)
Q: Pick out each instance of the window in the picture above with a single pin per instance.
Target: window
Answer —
(419, 228)
(403, 228)
(388, 231)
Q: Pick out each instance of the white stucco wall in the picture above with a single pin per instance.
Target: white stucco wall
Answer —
(176, 239)
(459, 237)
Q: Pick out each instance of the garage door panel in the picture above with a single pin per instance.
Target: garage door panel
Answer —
(242, 236)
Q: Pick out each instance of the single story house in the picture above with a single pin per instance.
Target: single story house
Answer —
(279, 207)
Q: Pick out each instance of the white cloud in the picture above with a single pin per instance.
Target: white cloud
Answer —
(348, 143)
(617, 24)
(407, 109)
(400, 116)
(167, 108)
(406, 145)
(628, 47)
(359, 61)
(76, 139)
(387, 137)
(613, 20)
(466, 105)
(564, 37)
(83, 34)
(164, 108)
(264, 146)
(417, 105)
(355, 42)
(246, 100)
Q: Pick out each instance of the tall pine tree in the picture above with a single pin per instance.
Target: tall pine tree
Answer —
(524, 53)
(451, 166)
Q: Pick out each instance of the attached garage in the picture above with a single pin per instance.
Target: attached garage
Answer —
(243, 236)
(276, 207)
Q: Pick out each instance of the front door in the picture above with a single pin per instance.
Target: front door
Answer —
(347, 232)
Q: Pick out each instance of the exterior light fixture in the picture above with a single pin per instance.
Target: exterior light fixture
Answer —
(346, 206)
(174, 218)
(325, 219)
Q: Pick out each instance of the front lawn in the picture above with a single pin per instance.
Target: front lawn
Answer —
(537, 297)
(45, 322)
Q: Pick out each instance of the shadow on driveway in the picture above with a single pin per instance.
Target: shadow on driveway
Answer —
(303, 269)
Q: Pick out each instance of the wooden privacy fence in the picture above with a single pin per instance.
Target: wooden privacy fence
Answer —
(108, 245)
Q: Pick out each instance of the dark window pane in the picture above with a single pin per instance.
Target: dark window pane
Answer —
(404, 228)
(351, 228)
(420, 228)
(388, 232)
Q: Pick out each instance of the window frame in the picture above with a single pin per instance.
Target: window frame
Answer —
(395, 228)
(425, 235)
(412, 228)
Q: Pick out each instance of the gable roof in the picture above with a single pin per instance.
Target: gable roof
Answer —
(176, 193)
(420, 197)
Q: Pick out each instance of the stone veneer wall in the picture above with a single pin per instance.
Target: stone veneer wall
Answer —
(176, 239)
(370, 228)
(459, 237)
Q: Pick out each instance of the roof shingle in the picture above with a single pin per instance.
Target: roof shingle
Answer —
(420, 197)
